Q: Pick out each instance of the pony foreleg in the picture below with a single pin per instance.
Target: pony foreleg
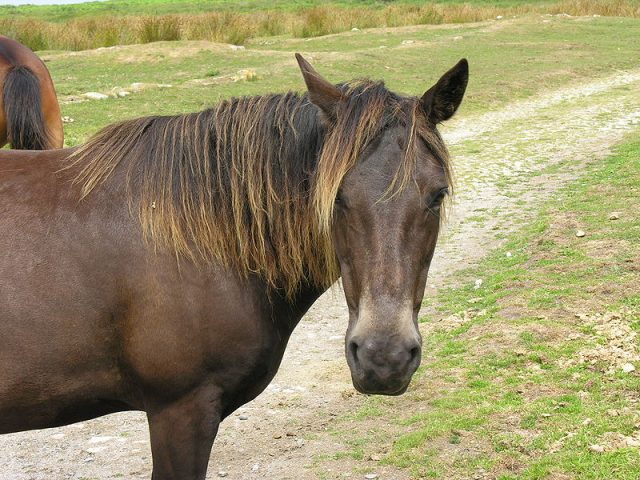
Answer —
(182, 434)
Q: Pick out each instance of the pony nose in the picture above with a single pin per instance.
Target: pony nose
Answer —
(383, 359)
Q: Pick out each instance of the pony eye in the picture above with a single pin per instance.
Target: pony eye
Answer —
(438, 198)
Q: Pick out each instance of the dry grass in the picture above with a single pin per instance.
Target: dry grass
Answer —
(236, 28)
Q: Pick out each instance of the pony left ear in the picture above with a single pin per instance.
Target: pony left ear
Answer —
(322, 93)
(442, 100)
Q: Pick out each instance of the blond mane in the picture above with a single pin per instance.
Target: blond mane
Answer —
(251, 183)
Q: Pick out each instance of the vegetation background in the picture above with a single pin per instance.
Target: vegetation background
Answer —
(118, 22)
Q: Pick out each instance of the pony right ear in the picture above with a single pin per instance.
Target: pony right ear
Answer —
(322, 93)
(442, 100)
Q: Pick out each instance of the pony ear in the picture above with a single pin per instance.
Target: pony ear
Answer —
(441, 101)
(322, 93)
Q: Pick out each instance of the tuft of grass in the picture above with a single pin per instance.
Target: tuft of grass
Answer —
(155, 29)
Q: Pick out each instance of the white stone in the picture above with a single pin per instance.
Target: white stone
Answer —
(95, 449)
(95, 96)
(628, 368)
(100, 439)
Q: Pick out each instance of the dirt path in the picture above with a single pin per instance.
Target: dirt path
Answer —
(506, 161)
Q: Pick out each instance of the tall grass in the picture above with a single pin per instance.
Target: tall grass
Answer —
(236, 28)
(154, 29)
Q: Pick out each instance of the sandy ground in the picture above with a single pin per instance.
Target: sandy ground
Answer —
(286, 432)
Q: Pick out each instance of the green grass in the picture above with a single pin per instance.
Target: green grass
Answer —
(160, 7)
(522, 58)
(506, 393)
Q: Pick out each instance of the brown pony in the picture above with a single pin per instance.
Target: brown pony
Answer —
(163, 265)
(29, 111)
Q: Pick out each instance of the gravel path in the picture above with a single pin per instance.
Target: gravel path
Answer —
(506, 161)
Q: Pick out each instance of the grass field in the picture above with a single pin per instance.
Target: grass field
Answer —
(524, 376)
(510, 60)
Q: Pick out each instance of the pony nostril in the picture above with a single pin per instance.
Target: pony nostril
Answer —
(414, 354)
(353, 352)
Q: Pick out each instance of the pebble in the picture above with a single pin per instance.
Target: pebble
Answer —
(222, 473)
(633, 442)
(371, 476)
(408, 42)
(355, 29)
(237, 47)
(478, 283)
(243, 417)
(580, 233)
(509, 254)
(100, 439)
(596, 448)
(95, 449)
(614, 216)
(95, 96)
(628, 368)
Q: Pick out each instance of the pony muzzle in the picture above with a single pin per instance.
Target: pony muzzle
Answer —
(381, 364)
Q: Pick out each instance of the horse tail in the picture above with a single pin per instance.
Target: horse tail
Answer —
(26, 129)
